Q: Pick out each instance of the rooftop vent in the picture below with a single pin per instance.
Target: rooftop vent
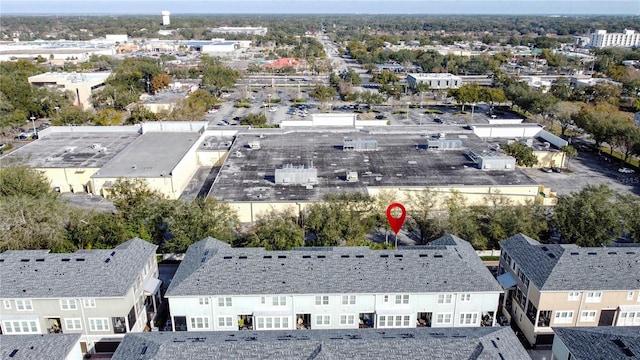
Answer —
(80, 259)
(242, 257)
(384, 256)
(398, 255)
(592, 253)
(359, 256)
(630, 253)
(144, 350)
(344, 256)
(39, 260)
(24, 260)
(228, 257)
(321, 256)
(575, 253)
(551, 255)
(267, 257)
(282, 256)
(65, 259)
(306, 256)
(113, 253)
(437, 256)
(107, 260)
(13, 353)
(424, 255)
(612, 253)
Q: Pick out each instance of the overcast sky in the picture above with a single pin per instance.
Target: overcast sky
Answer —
(517, 7)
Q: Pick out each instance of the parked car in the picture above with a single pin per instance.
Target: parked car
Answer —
(212, 111)
(546, 169)
(625, 170)
(556, 169)
(438, 120)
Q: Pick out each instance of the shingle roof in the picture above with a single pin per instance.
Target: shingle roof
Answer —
(211, 267)
(608, 342)
(37, 347)
(569, 267)
(443, 343)
(86, 273)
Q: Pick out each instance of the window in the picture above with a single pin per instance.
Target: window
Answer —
(588, 316)
(348, 300)
(347, 319)
(200, 322)
(73, 324)
(393, 321)
(89, 303)
(263, 300)
(629, 318)
(402, 299)
(443, 318)
(563, 317)
(21, 327)
(630, 295)
(573, 296)
(24, 305)
(279, 300)
(322, 300)
(323, 320)
(225, 321)
(99, 324)
(465, 297)
(203, 301)
(68, 304)
(7, 304)
(272, 322)
(594, 297)
(444, 299)
(386, 298)
(468, 318)
(224, 302)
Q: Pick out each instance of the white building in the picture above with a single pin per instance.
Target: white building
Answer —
(220, 288)
(435, 80)
(81, 84)
(165, 18)
(628, 38)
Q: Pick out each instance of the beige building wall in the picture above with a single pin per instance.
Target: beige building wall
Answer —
(69, 179)
(163, 185)
(550, 159)
(250, 211)
(156, 108)
(211, 157)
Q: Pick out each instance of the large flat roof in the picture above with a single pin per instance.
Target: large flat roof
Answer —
(401, 160)
(74, 149)
(153, 154)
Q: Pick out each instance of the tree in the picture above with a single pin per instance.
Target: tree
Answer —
(96, 230)
(24, 181)
(277, 230)
(462, 221)
(466, 94)
(524, 155)
(627, 138)
(630, 208)
(569, 151)
(140, 114)
(562, 113)
(323, 93)
(422, 207)
(73, 115)
(107, 117)
(159, 81)
(600, 121)
(216, 76)
(589, 217)
(256, 120)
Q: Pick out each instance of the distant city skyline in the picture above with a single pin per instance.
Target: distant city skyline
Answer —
(423, 7)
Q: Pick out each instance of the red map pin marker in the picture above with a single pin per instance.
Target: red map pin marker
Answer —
(396, 221)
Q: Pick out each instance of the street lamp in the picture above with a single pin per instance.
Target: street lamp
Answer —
(421, 118)
(408, 103)
(33, 122)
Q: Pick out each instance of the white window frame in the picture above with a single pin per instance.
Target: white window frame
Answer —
(89, 303)
(468, 319)
(225, 302)
(588, 316)
(99, 324)
(465, 297)
(203, 301)
(594, 297)
(573, 296)
(24, 305)
(68, 304)
(348, 299)
(566, 317)
(199, 323)
(322, 300)
(444, 299)
(272, 323)
(323, 320)
(7, 304)
(402, 299)
(73, 324)
(444, 318)
(630, 295)
(629, 318)
(279, 301)
(227, 321)
(21, 327)
(393, 321)
(347, 319)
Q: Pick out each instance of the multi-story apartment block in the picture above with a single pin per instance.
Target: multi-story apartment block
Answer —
(627, 38)
(100, 294)
(221, 288)
(566, 285)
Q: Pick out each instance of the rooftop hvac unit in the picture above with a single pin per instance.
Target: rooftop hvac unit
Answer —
(352, 176)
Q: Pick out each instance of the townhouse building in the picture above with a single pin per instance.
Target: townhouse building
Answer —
(608, 342)
(99, 294)
(551, 285)
(50, 346)
(220, 288)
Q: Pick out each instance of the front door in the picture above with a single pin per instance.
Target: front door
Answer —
(606, 317)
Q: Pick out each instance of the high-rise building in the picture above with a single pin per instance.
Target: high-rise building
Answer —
(627, 38)
(165, 18)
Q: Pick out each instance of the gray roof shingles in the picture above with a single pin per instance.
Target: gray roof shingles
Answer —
(211, 267)
(569, 267)
(27, 274)
(605, 341)
(37, 347)
(444, 343)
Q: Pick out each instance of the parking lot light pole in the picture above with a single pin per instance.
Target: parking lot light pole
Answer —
(33, 122)
(408, 103)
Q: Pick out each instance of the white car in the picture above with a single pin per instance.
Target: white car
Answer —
(273, 109)
(212, 111)
(625, 170)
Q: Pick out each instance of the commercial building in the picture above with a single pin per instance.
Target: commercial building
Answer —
(609, 343)
(435, 81)
(220, 288)
(260, 31)
(33, 347)
(551, 286)
(81, 85)
(99, 294)
(627, 38)
(444, 343)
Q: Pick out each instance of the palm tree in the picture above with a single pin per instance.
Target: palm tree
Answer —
(569, 151)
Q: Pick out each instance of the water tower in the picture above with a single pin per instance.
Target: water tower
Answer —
(165, 18)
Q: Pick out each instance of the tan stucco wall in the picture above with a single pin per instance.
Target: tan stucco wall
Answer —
(550, 159)
(156, 108)
(211, 157)
(68, 179)
(163, 185)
